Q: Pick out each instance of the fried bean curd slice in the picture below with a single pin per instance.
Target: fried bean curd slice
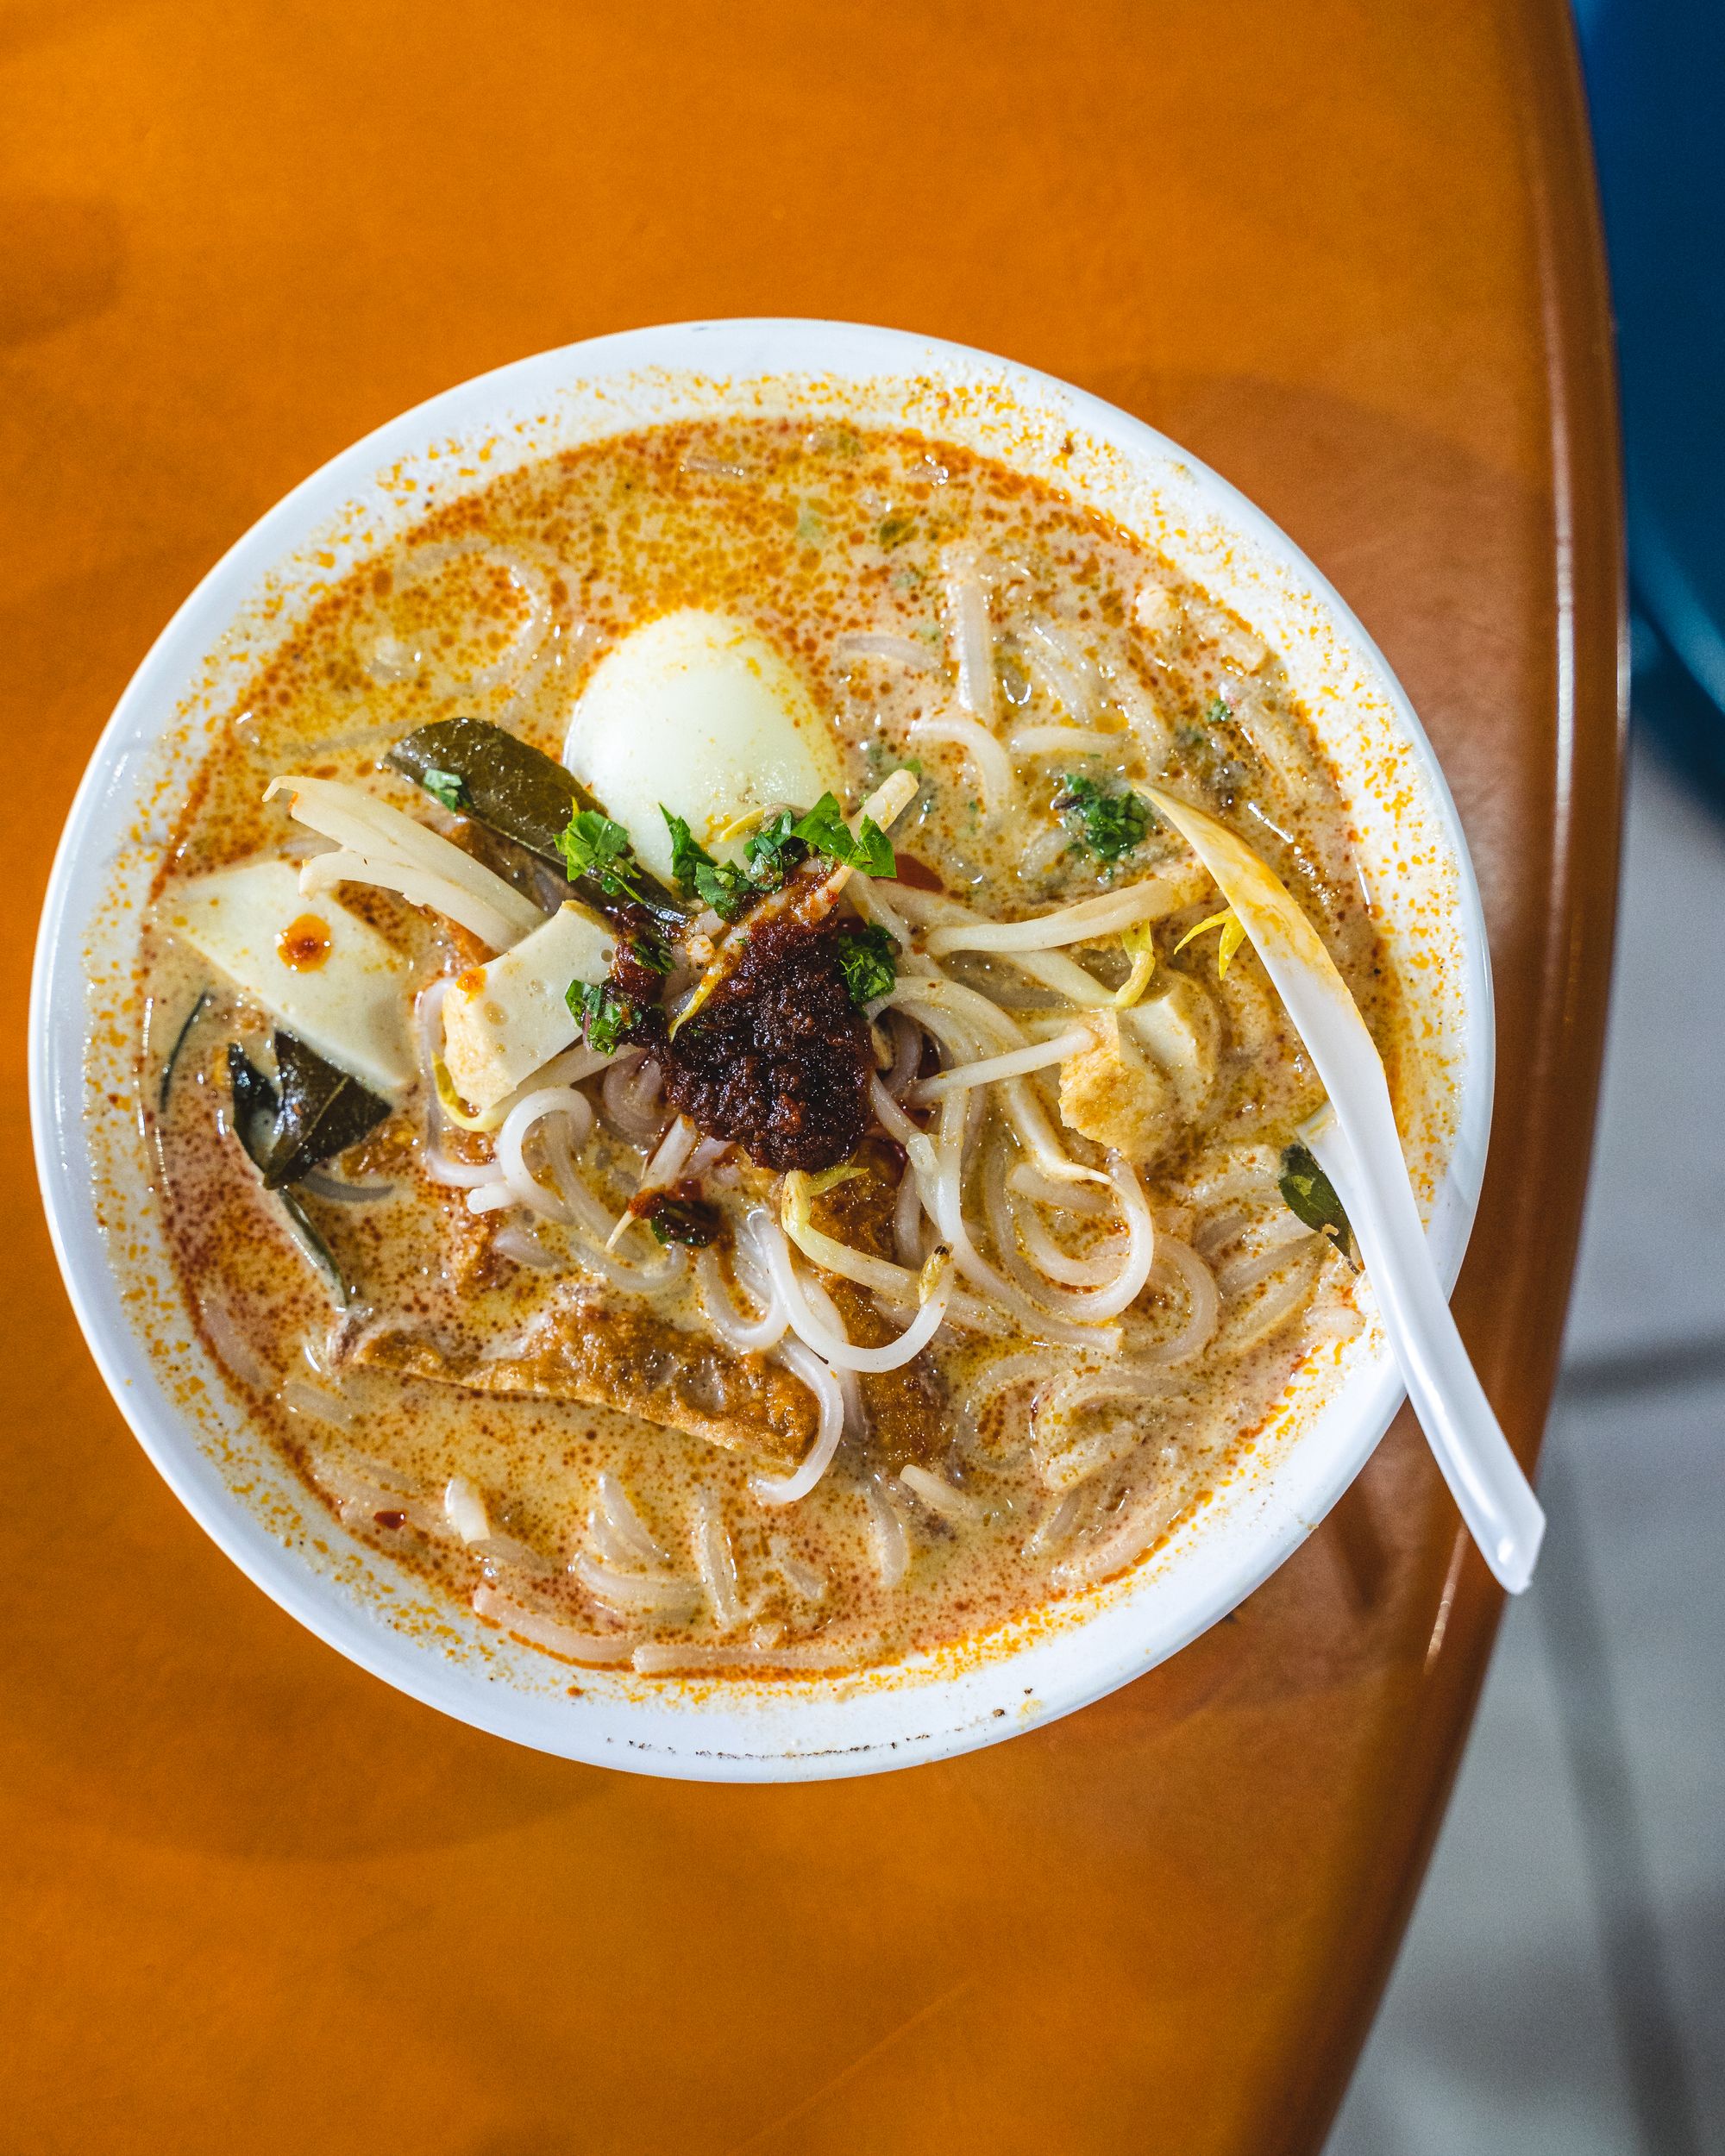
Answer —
(590, 1348)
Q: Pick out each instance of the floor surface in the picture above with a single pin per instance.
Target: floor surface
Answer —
(1561, 1991)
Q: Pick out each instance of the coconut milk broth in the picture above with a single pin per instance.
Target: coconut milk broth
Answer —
(499, 608)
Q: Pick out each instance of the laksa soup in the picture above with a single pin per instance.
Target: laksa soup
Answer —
(692, 1094)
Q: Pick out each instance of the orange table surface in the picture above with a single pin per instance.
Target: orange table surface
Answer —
(1346, 251)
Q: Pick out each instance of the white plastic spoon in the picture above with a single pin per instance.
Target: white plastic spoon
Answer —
(1361, 1153)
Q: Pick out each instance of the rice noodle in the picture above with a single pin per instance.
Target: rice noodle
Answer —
(793, 1294)
(1068, 673)
(1203, 1301)
(938, 1169)
(1128, 1541)
(659, 1595)
(504, 1553)
(301, 1398)
(907, 1043)
(522, 649)
(888, 1543)
(1068, 741)
(1064, 1461)
(1119, 1286)
(1247, 1171)
(1014, 1064)
(745, 1336)
(631, 1098)
(993, 765)
(381, 845)
(1055, 1526)
(803, 1580)
(524, 1186)
(785, 1489)
(546, 1631)
(716, 1562)
(1246, 1272)
(617, 1531)
(1276, 1300)
(523, 1247)
(973, 639)
(942, 1496)
(340, 1192)
(1047, 1256)
(1065, 1197)
(866, 644)
(231, 1346)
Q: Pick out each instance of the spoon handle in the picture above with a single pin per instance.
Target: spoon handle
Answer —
(1486, 1478)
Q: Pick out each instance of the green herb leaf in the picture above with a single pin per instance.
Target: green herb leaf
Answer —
(1112, 824)
(593, 845)
(865, 958)
(824, 831)
(725, 887)
(686, 853)
(649, 951)
(715, 883)
(604, 1012)
(774, 850)
(448, 786)
(895, 530)
(1310, 1196)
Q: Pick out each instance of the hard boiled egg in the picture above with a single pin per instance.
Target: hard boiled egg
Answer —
(698, 712)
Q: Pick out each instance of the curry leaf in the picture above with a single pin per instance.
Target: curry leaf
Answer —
(322, 1113)
(1311, 1196)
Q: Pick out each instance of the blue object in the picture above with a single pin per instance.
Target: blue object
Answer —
(1655, 73)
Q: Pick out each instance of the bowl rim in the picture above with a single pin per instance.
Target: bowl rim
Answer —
(985, 1711)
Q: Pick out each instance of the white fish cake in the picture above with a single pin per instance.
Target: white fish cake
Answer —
(502, 1020)
(348, 1003)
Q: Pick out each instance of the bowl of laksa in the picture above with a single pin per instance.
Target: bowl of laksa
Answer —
(644, 1117)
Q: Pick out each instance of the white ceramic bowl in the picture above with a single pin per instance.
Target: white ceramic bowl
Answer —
(88, 1157)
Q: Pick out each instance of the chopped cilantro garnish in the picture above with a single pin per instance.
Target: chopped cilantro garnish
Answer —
(719, 883)
(448, 786)
(895, 530)
(824, 831)
(649, 951)
(605, 1014)
(724, 886)
(1217, 712)
(595, 846)
(865, 958)
(1111, 824)
(774, 850)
